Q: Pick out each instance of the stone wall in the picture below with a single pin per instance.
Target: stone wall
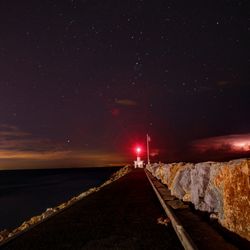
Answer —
(220, 188)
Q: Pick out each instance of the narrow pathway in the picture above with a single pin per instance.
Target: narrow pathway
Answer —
(122, 215)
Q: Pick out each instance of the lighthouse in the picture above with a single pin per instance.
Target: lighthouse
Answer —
(138, 163)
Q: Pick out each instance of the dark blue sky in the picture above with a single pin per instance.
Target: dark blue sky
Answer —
(82, 81)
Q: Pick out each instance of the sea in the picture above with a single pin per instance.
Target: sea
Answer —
(27, 193)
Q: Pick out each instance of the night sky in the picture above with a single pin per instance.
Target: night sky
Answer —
(83, 81)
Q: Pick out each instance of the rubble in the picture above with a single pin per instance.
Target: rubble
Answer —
(163, 221)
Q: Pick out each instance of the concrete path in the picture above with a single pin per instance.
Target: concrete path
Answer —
(122, 215)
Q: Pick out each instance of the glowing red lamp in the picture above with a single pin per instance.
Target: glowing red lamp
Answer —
(138, 150)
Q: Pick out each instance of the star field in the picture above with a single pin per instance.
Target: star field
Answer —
(89, 77)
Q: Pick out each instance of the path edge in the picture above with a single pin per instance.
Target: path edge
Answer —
(182, 234)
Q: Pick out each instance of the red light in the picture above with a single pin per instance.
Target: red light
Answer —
(138, 150)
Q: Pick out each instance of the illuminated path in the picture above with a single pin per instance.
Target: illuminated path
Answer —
(123, 215)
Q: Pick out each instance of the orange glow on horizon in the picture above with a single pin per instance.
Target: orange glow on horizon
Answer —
(14, 159)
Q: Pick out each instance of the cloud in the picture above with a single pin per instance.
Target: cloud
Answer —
(20, 149)
(15, 143)
(223, 83)
(154, 152)
(125, 102)
(77, 155)
(230, 84)
(45, 155)
(234, 143)
(12, 138)
(9, 130)
(10, 159)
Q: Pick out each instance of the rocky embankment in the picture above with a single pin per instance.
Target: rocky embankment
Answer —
(220, 188)
(6, 235)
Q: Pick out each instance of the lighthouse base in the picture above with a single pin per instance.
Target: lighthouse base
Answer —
(138, 163)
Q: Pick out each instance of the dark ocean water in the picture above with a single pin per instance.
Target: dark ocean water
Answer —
(26, 193)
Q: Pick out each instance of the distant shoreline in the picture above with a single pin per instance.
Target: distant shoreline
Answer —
(59, 168)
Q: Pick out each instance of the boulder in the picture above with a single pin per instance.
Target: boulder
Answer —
(181, 186)
(222, 189)
(233, 183)
(4, 234)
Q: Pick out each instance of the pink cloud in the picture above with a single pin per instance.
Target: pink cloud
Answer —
(234, 143)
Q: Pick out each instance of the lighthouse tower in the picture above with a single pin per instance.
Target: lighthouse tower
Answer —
(138, 163)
